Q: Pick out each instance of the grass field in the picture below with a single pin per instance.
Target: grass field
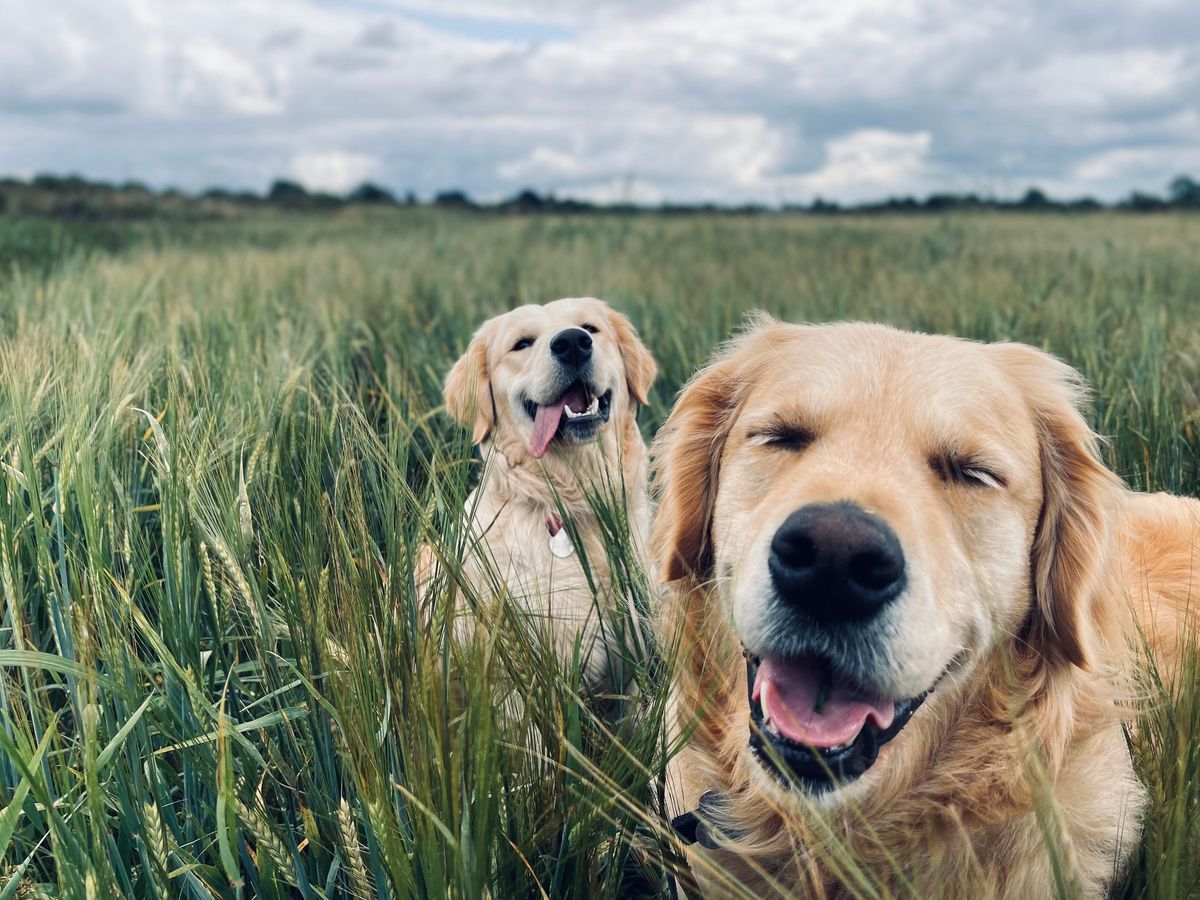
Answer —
(221, 447)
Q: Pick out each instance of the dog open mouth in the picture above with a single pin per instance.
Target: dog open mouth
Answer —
(812, 725)
(576, 415)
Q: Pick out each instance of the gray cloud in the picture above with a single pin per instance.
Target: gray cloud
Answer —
(698, 99)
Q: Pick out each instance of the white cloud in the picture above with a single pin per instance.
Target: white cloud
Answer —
(756, 100)
(619, 190)
(335, 171)
(1091, 81)
(872, 163)
(540, 163)
(705, 156)
(212, 78)
(1135, 164)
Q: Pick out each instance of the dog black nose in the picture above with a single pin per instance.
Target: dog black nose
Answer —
(836, 562)
(572, 347)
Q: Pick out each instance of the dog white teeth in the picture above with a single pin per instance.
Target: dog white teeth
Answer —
(593, 409)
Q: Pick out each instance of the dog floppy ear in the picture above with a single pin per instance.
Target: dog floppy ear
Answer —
(687, 461)
(468, 391)
(640, 368)
(1072, 553)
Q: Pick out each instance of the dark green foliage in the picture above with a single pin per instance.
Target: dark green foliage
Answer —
(370, 193)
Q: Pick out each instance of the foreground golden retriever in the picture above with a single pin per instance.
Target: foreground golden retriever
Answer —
(902, 584)
(551, 394)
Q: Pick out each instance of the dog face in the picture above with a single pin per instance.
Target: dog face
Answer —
(549, 376)
(874, 512)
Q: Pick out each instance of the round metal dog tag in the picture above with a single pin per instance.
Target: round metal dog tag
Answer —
(560, 544)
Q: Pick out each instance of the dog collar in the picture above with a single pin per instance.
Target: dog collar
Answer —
(698, 826)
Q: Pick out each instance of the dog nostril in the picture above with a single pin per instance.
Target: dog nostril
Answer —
(559, 346)
(585, 341)
(799, 552)
(874, 570)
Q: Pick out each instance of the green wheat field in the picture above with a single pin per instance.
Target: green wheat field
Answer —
(221, 448)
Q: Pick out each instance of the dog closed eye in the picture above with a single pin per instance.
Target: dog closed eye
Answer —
(783, 437)
(966, 471)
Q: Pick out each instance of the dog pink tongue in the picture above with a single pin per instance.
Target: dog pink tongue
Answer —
(545, 426)
(810, 705)
(545, 423)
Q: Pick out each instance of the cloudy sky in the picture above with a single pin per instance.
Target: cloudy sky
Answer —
(755, 100)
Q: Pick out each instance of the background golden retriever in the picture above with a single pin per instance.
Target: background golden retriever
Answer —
(550, 393)
(901, 584)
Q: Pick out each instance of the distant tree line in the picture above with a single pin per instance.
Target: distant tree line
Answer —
(72, 196)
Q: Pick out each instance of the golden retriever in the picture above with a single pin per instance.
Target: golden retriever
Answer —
(551, 394)
(903, 586)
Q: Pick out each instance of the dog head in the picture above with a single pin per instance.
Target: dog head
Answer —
(868, 513)
(549, 376)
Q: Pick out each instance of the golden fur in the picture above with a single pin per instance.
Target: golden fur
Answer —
(1032, 580)
(517, 493)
